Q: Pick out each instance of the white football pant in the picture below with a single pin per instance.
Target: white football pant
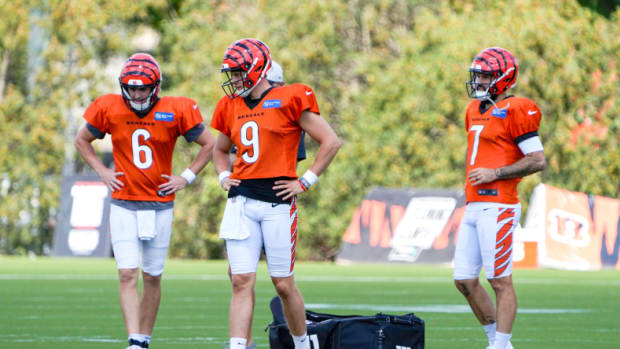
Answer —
(271, 226)
(127, 246)
(485, 239)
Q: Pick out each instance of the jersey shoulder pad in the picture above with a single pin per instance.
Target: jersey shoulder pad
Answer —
(299, 89)
(109, 99)
(525, 106)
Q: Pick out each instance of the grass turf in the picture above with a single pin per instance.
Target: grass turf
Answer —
(73, 303)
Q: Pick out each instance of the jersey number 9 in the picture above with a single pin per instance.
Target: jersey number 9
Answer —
(249, 138)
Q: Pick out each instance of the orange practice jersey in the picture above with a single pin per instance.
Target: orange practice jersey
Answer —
(492, 142)
(267, 135)
(143, 147)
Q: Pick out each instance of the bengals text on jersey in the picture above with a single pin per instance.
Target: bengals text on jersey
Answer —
(492, 141)
(143, 147)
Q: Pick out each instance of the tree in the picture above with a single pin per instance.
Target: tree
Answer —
(389, 76)
(39, 120)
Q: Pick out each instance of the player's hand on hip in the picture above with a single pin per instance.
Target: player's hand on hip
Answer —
(287, 188)
(481, 175)
(174, 184)
(108, 177)
(228, 183)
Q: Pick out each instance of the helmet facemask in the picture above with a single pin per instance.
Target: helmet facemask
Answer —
(247, 85)
(145, 106)
(480, 90)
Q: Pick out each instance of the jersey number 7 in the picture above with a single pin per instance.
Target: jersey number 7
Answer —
(474, 150)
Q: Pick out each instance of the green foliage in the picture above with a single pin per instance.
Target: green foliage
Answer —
(38, 121)
(604, 7)
(389, 77)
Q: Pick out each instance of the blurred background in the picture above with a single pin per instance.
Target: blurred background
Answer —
(389, 77)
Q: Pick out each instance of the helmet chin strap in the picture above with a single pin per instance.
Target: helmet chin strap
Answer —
(485, 96)
(141, 106)
(246, 92)
(488, 96)
(481, 95)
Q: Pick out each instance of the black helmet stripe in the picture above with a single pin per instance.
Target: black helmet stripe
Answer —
(247, 50)
(136, 72)
(260, 47)
(504, 60)
(237, 58)
(508, 54)
(143, 66)
(143, 60)
(501, 59)
(482, 59)
(232, 58)
(237, 50)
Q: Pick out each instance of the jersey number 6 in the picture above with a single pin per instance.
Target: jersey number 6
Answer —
(137, 148)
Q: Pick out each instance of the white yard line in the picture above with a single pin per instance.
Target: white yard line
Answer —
(433, 308)
(37, 339)
(322, 278)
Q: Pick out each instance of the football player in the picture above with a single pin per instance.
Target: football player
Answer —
(265, 124)
(275, 76)
(144, 129)
(503, 146)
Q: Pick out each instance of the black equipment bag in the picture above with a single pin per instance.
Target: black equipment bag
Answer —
(327, 331)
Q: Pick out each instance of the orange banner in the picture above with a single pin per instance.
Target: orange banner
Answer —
(581, 230)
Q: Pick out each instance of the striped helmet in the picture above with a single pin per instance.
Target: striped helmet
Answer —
(252, 59)
(141, 69)
(500, 64)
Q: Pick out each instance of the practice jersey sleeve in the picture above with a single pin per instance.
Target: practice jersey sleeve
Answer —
(218, 120)
(302, 99)
(96, 117)
(190, 118)
(524, 121)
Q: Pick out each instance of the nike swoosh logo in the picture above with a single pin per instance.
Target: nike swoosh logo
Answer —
(308, 93)
(532, 112)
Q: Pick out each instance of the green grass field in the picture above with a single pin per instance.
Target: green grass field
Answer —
(72, 303)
